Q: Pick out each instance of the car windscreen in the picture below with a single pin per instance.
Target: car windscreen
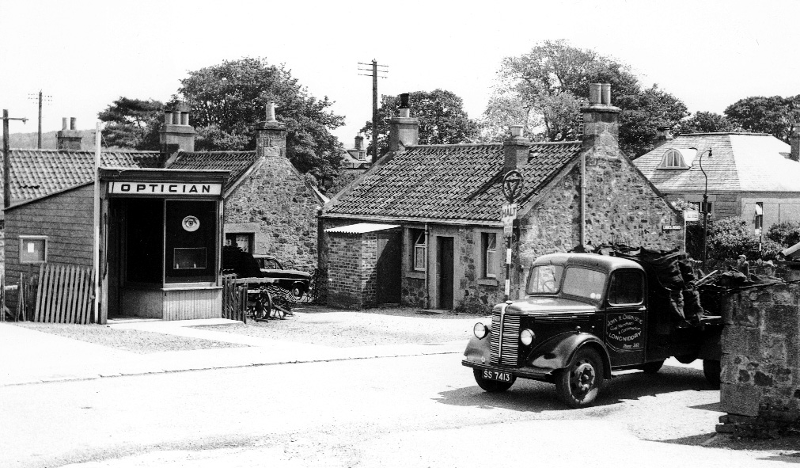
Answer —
(545, 279)
(583, 282)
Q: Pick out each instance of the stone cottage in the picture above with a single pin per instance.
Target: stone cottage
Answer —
(427, 218)
(164, 217)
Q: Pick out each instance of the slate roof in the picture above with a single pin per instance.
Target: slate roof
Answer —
(448, 182)
(37, 173)
(237, 162)
(740, 162)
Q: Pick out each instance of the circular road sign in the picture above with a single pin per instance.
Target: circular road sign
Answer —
(512, 185)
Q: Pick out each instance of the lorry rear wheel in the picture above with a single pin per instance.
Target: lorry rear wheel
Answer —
(652, 367)
(578, 385)
(492, 386)
(712, 370)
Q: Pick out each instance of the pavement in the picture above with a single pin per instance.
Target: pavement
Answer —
(33, 357)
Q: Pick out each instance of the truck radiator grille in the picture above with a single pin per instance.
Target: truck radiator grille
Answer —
(508, 353)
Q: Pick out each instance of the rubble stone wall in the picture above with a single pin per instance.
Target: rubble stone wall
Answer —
(761, 354)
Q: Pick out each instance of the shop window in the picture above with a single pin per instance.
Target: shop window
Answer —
(190, 235)
(489, 255)
(191, 259)
(32, 249)
(419, 249)
(759, 218)
(242, 240)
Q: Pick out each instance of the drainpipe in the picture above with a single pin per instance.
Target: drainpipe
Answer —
(583, 201)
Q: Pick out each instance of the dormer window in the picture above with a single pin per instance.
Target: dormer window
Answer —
(673, 159)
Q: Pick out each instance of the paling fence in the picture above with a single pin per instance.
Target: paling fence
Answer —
(234, 299)
(56, 294)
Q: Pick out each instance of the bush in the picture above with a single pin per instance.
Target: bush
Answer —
(786, 233)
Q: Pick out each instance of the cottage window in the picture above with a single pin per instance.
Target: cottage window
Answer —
(489, 250)
(243, 240)
(759, 218)
(673, 159)
(419, 250)
(699, 207)
(32, 249)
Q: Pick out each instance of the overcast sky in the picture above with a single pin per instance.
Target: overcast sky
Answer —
(86, 54)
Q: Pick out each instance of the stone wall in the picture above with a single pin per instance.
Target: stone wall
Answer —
(276, 198)
(761, 358)
(621, 207)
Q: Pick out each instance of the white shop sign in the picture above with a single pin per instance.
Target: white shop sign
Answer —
(163, 188)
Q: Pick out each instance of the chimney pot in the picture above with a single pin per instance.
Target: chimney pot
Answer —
(73, 123)
(516, 130)
(271, 112)
(794, 143)
(605, 93)
(64, 124)
(404, 101)
(594, 94)
(359, 142)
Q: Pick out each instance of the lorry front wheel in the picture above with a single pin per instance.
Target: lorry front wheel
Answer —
(578, 385)
(712, 371)
(652, 367)
(492, 386)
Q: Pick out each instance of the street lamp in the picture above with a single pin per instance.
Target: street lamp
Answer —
(705, 205)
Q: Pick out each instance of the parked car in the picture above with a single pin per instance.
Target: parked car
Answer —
(296, 281)
(583, 316)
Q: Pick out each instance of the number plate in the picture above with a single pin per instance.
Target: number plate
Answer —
(498, 376)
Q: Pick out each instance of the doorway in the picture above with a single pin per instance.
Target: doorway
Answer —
(388, 268)
(444, 272)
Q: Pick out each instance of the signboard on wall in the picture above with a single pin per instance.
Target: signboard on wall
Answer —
(164, 188)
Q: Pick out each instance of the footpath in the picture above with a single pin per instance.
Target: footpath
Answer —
(33, 357)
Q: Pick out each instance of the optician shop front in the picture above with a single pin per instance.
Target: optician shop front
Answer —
(160, 243)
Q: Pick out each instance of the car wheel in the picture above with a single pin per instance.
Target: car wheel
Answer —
(578, 385)
(492, 386)
(652, 367)
(297, 291)
(686, 358)
(712, 370)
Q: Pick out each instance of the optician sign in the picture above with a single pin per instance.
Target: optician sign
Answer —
(163, 188)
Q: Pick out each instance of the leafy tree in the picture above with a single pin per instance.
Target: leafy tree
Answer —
(706, 122)
(442, 119)
(786, 233)
(774, 115)
(547, 86)
(229, 99)
(132, 123)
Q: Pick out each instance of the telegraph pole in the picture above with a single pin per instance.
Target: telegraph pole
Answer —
(40, 98)
(375, 74)
(6, 160)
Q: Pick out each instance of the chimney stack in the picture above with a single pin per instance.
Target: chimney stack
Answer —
(794, 141)
(270, 136)
(69, 138)
(359, 142)
(403, 129)
(176, 129)
(663, 136)
(517, 149)
(600, 118)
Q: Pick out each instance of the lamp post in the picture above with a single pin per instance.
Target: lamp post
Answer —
(705, 204)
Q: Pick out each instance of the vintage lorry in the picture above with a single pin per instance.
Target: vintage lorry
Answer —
(586, 315)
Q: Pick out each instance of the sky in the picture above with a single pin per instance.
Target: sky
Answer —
(86, 54)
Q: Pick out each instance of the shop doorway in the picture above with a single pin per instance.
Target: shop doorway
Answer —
(444, 272)
(389, 265)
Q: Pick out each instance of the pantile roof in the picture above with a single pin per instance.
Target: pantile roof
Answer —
(448, 182)
(746, 162)
(37, 173)
(237, 162)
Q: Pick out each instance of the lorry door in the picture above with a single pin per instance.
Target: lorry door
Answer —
(626, 317)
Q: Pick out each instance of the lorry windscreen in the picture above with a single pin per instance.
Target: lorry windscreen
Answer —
(545, 279)
(583, 282)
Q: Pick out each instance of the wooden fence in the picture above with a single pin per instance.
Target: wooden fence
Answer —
(64, 294)
(234, 299)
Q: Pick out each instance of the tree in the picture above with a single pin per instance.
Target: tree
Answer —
(548, 85)
(706, 122)
(229, 99)
(132, 123)
(774, 115)
(442, 119)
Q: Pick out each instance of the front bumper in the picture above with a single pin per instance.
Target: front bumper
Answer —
(534, 373)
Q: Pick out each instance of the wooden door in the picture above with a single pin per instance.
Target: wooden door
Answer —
(388, 268)
(444, 272)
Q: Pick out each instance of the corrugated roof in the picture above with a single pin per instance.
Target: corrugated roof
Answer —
(237, 162)
(37, 173)
(448, 182)
(361, 228)
(739, 162)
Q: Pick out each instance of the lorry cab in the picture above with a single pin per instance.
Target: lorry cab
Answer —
(583, 316)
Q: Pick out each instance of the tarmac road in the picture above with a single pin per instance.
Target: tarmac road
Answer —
(393, 411)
